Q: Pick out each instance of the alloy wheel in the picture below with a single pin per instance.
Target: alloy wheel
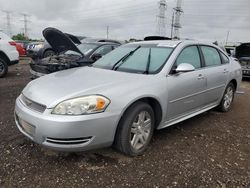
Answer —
(1, 67)
(140, 130)
(228, 97)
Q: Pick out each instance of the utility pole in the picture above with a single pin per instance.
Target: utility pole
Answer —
(161, 18)
(8, 24)
(177, 25)
(107, 32)
(227, 36)
(25, 22)
(172, 25)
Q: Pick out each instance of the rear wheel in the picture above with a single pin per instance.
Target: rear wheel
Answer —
(227, 98)
(3, 67)
(135, 129)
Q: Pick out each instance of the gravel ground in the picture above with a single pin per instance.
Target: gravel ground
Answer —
(210, 150)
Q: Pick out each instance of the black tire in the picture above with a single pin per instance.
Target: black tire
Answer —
(48, 53)
(222, 106)
(3, 67)
(123, 133)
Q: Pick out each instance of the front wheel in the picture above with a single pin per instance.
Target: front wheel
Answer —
(135, 129)
(227, 98)
(48, 53)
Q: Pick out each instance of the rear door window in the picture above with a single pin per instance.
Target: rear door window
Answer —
(211, 56)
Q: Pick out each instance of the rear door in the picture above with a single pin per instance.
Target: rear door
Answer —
(186, 91)
(216, 73)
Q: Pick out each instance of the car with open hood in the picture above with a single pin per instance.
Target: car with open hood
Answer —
(242, 53)
(123, 97)
(69, 55)
(42, 49)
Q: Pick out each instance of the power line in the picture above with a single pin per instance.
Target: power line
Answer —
(114, 14)
(107, 32)
(111, 8)
(172, 25)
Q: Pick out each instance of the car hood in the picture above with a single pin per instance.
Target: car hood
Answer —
(59, 41)
(243, 50)
(51, 89)
(74, 38)
(245, 59)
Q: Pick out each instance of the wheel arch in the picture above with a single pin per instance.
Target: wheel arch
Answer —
(3, 55)
(234, 82)
(45, 50)
(153, 102)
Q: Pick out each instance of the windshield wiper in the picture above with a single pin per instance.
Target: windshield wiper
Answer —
(148, 62)
(115, 67)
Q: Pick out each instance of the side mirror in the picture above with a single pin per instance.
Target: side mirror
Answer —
(184, 67)
(95, 57)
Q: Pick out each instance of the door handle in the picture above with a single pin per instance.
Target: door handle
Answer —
(225, 71)
(200, 77)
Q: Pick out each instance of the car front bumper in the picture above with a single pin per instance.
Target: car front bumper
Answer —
(32, 54)
(66, 133)
(246, 72)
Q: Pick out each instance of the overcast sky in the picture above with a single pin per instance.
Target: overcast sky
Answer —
(202, 19)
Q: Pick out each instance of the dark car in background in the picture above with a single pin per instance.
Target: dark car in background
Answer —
(242, 53)
(230, 50)
(33, 48)
(90, 39)
(39, 50)
(69, 55)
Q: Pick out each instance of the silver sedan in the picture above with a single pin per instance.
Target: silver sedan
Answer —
(126, 95)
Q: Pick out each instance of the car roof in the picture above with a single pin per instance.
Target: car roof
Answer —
(101, 43)
(90, 40)
(171, 43)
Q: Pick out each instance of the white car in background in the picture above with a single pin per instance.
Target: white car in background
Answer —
(8, 53)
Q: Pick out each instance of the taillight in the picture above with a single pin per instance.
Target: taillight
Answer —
(12, 43)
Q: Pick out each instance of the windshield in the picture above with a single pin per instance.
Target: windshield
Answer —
(143, 59)
(84, 48)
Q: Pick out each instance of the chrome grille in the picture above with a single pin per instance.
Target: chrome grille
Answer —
(33, 105)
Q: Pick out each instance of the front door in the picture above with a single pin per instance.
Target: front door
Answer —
(186, 90)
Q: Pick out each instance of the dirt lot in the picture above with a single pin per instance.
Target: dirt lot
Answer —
(210, 150)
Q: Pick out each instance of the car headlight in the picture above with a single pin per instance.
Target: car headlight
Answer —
(82, 105)
(39, 46)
